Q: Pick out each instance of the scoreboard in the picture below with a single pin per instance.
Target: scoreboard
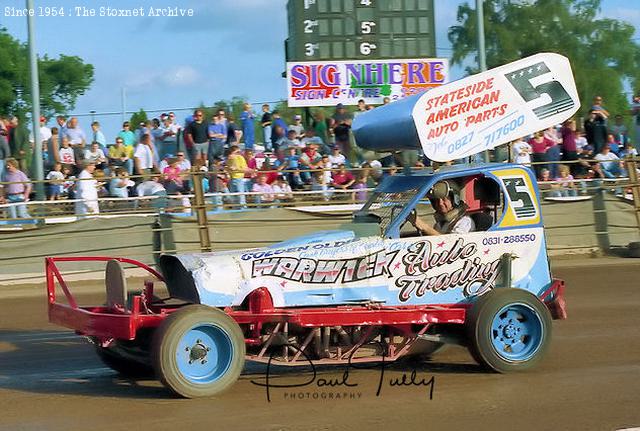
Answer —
(359, 29)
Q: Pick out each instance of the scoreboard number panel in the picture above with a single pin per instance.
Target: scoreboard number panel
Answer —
(351, 29)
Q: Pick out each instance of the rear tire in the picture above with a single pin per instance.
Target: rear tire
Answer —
(198, 351)
(508, 330)
(123, 366)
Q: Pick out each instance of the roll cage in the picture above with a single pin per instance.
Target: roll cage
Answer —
(398, 195)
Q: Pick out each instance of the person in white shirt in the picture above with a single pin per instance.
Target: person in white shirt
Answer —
(96, 156)
(610, 163)
(66, 154)
(169, 138)
(152, 187)
(143, 155)
(87, 191)
(521, 151)
(45, 132)
(55, 178)
(297, 126)
(336, 157)
(282, 190)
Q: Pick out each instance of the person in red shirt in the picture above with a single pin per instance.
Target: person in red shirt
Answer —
(252, 163)
(569, 146)
(310, 159)
(173, 182)
(343, 179)
(268, 171)
(539, 146)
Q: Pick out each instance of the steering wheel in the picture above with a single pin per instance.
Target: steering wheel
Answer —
(413, 214)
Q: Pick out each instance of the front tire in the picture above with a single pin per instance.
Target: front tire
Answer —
(198, 351)
(509, 330)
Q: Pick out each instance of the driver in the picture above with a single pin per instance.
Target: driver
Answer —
(451, 213)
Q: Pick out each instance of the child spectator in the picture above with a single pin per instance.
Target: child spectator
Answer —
(360, 186)
(220, 182)
(282, 190)
(327, 165)
(547, 186)
(67, 157)
(565, 182)
(265, 189)
(318, 183)
(171, 177)
(69, 183)
(521, 152)
(55, 178)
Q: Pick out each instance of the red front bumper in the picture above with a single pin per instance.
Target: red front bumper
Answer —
(554, 300)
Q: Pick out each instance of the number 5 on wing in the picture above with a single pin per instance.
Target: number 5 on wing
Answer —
(558, 98)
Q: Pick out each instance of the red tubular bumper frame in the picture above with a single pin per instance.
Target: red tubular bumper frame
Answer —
(96, 321)
(554, 299)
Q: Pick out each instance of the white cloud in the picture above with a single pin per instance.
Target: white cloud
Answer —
(176, 76)
(181, 76)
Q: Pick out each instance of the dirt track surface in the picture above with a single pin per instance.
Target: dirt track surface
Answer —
(51, 379)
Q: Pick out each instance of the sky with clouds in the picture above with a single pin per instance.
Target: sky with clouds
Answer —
(226, 49)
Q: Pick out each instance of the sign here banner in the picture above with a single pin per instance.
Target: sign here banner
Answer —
(327, 83)
(495, 107)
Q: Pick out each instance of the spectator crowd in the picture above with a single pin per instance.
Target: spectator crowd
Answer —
(154, 158)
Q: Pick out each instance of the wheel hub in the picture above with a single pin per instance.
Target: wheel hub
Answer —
(198, 352)
(510, 331)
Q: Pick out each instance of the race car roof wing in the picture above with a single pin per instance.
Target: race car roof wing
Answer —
(476, 113)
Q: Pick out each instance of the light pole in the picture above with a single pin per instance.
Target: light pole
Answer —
(37, 173)
(123, 101)
(482, 57)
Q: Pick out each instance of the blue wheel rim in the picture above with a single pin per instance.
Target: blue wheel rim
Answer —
(517, 332)
(204, 354)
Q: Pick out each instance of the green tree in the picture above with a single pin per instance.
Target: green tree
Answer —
(137, 118)
(62, 80)
(602, 51)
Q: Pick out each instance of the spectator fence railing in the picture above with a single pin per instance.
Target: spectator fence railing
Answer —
(186, 236)
(184, 203)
